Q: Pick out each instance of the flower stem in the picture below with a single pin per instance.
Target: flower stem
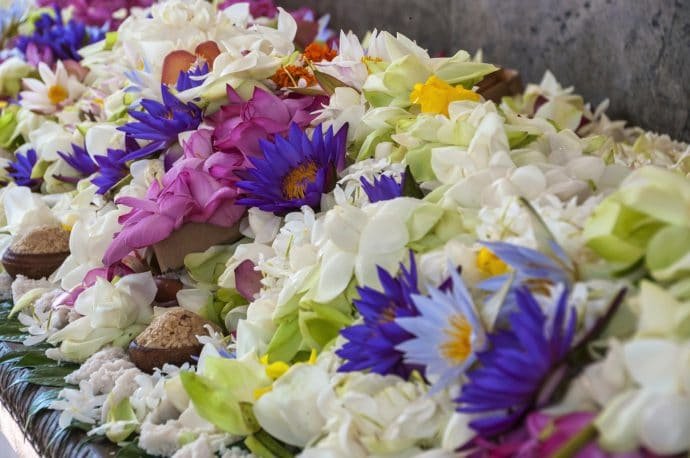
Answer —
(577, 442)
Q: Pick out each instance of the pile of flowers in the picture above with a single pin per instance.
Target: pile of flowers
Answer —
(421, 271)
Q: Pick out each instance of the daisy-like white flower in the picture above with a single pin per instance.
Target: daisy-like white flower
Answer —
(53, 92)
(447, 333)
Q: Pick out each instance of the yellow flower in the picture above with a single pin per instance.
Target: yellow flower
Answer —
(435, 95)
(489, 264)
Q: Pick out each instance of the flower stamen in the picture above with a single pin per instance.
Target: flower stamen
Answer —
(458, 345)
(57, 94)
(489, 264)
(296, 181)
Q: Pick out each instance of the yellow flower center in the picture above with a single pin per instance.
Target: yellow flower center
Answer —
(435, 95)
(457, 346)
(296, 181)
(57, 94)
(489, 264)
(276, 370)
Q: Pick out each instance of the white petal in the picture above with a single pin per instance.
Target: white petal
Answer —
(336, 272)
(665, 424)
(653, 363)
(617, 424)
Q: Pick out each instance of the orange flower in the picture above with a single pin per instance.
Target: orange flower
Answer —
(317, 52)
(290, 76)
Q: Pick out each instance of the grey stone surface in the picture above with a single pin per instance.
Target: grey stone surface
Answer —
(635, 52)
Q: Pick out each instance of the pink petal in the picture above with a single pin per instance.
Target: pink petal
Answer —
(247, 280)
(147, 232)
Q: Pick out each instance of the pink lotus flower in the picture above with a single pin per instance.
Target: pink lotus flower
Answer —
(199, 188)
(98, 12)
(544, 435)
(257, 8)
(241, 124)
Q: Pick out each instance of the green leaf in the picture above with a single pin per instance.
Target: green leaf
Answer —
(306, 91)
(286, 341)
(132, 450)
(38, 359)
(45, 376)
(16, 355)
(40, 402)
(264, 445)
(14, 338)
(327, 82)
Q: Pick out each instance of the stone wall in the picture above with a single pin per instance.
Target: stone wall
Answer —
(635, 52)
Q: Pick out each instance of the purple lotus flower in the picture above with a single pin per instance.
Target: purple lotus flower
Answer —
(516, 365)
(383, 188)
(241, 124)
(54, 39)
(160, 123)
(257, 8)
(294, 171)
(99, 12)
(21, 168)
(371, 345)
(191, 78)
(192, 191)
(111, 169)
(80, 161)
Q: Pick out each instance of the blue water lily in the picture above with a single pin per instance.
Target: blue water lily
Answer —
(372, 344)
(517, 363)
(294, 170)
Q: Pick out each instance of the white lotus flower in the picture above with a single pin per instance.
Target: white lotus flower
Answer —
(113, 313)
(656, 413)
(346, 106)
(290, 411)
(348, 66)
(25, 210)
(373, 415)
(51, 137)
(352, 240)
(53, 91)
(90, 237)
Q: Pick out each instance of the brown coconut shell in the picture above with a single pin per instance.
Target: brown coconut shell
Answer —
(32, 265)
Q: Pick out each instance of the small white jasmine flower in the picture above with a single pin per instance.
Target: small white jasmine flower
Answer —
(82, 405)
